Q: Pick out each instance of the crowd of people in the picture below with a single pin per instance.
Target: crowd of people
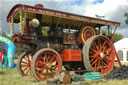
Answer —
(3, 58)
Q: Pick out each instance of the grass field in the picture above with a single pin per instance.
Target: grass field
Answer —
(12, 77)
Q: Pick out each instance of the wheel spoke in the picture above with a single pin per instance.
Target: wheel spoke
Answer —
(45, 75)
(96, 46)
(108, 50)
(103, 44)
(93, 50)
(105, 64)
(100, 46)
(40, 64)
(48, 74)
(25, 69)
(53, 66)
(95, 55)
(52, 74)
(41, 70)
(104, 49)
(98, 43)
(24, 62)
(98, 64)
(51, 59)
(102, 64)
(24, 65)
(101, 68)
(28, 71)
(28, 58)
(95, 67)
(46, 57)
(91, 56)
(54, 61)
(94, 61)
(107, 60)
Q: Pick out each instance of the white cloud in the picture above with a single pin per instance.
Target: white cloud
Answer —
(112, 9)
(105, 8)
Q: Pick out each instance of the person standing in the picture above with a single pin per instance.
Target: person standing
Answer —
(5, 59)
(11, 61)
(1, 60)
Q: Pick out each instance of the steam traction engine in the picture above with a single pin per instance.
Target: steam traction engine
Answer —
(60, 39)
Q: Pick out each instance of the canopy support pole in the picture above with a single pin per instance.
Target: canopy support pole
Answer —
(100, 30)
(108, 30)
(22, 22)
(12, 27)
(114, 31)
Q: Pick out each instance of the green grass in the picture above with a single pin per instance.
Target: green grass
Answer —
(12, 77)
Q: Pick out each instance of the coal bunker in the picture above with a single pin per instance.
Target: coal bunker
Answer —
(118, 73)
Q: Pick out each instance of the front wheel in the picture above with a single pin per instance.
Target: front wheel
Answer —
(46, 62)
(24, 64)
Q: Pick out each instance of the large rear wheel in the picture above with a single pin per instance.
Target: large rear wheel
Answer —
(98, 54)
(46, 62)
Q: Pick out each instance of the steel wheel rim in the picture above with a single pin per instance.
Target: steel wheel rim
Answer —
(47, 64)
(25, 64)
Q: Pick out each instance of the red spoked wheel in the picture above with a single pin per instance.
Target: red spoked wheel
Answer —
(46, 62)
(98, 54)
(24, 64)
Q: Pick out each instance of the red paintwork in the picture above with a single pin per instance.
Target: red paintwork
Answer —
(25, 65)
(46, 64)
(71, 55)
(16, 40)
(97, 60)
(112, 38)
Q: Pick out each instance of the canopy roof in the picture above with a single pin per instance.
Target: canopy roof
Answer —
(122, 44)
(53, 16)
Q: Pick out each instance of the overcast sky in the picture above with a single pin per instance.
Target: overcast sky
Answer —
(112, 10)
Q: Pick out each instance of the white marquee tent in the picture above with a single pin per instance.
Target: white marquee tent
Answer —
(122, 49)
